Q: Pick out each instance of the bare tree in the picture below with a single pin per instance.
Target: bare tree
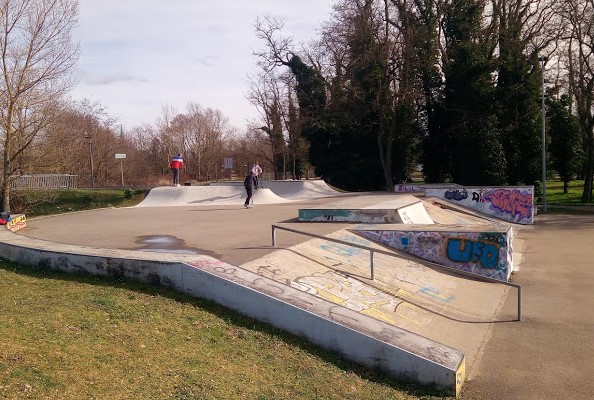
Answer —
(267, 96)
(208, 131)
(37, 59)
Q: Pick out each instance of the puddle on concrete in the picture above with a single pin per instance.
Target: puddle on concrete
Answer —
(168, 244)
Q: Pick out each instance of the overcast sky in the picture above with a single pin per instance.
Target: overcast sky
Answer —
(139, 55)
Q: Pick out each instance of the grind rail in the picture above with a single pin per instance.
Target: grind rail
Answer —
(395, 253)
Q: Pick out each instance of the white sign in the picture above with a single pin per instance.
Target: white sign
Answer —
(120, 156)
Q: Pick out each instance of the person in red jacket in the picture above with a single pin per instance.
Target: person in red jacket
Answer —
(176, 164)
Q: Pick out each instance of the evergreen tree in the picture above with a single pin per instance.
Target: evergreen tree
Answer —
(435, 160)
(469, 118)
(311, 97)
(567, 154)
(368, 101)
(518, 99)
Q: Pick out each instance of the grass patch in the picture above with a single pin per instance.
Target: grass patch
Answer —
(73, 337)
(35, 203)
(567, 203)
(573, 197)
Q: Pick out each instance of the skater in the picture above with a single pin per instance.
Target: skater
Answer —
(249, 184)
(176, 164)
(257, 170)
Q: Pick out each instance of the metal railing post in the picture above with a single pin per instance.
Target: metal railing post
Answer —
(519, 303)
(273, 236)
(371, 263)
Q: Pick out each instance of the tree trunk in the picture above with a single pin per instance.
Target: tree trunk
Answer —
(6, 196)
(565, 187)
(587, 195)
(385, 154)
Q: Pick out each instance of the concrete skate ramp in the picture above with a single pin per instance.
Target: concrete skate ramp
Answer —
(296, 190)
(407, 294)
(446, 214)
(403, 209)
(483, 250)
(206, 195)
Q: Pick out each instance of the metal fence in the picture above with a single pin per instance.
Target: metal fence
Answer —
(45, 181)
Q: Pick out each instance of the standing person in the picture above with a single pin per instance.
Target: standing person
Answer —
(256, 171)
(176, 164)
(249, 183)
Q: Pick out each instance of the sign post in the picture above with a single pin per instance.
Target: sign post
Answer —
(121, 157)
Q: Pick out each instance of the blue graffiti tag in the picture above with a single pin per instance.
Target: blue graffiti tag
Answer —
(464, 251)
(340, 249)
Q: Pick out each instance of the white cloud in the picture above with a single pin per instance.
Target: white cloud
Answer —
(138, 55)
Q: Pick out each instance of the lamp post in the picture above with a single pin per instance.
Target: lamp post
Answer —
(90, 139)
(543, 60)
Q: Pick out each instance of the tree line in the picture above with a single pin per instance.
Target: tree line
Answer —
(452, 86)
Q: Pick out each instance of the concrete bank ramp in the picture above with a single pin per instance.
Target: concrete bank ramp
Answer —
(403, 209)
(445, 214)
(514, 204)
(296, 190)
(435, 304)
(482, 250)
(448, 213)
(206, 195)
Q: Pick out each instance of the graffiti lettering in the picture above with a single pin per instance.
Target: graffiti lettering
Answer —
(493, 237)
(478, 196)
(456, 194)
(341, 250)
(511, 201)
(464, 251)
(354, 239)
(208, 262)
(435, 294)
(406, 188)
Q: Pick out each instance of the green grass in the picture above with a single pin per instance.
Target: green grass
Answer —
(566, 203)
(573, 197)
(46, 202)
(81, 337)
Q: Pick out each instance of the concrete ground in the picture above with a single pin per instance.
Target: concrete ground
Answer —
(547, 355)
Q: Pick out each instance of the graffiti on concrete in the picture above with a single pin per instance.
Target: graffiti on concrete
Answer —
(484, 253)
(456, 194)
(329, 215)
(340, 281)
(408, 188)
(513, 204)
(466, 251)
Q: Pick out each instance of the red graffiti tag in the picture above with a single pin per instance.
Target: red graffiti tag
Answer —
(511, 201)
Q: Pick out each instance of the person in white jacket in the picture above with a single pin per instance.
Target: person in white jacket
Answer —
(256, 170)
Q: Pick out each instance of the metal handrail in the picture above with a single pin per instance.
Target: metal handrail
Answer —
(395, 253)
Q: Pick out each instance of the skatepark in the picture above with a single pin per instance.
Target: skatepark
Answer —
(401, 310)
